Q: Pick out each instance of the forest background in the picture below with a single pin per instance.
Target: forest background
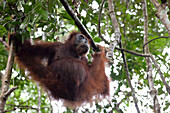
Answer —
(136, 33)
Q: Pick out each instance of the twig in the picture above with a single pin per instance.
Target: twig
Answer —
(116, 107)
(160, 73)
(26, 107)
(132, 52)
(78, 23)
(153, 40)
(23, 107)
(10, 91)
(126, 96)
(129, 80)
(8, 111)
(4, 43)
(99, 20)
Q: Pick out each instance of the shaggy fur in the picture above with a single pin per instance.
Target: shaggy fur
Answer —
(67, 75)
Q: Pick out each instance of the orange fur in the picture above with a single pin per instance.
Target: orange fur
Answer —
(66, 76)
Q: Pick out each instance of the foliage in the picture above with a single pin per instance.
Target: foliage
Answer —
(38, 18)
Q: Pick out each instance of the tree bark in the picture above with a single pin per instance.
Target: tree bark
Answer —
(149, 63)
(5, 92)
(162, 14)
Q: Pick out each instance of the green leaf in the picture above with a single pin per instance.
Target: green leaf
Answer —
(2, 30)
(27, 8)
(43, 13)
(96, 39)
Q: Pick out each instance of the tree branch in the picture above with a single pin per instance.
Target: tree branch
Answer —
(116, 30)
(156, 104)
(118, 41)
(100, 35)
(162, 14)
(149, 64)
(7, 77)
(39, 99)
(78, 23)
(126, 96)
(99, 20)
(129, 80)
(132, 52)
(9, 92)
(4, 43)
(153, 40)
(8, 111)
(161, 74)
(23, 107)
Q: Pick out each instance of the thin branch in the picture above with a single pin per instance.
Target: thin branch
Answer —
(149, 64)
(153, 40)
(156, 104)
(126, 96)
(23, 107)
(78, 23)
(132, 52)
(129, 80)
(39, 99)
(10, 91)
(145, 14)
(26, 107)
(8, 111)
(125, 18)
(161, 74)
(116, 107)
(99, 20)
(4, 43)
